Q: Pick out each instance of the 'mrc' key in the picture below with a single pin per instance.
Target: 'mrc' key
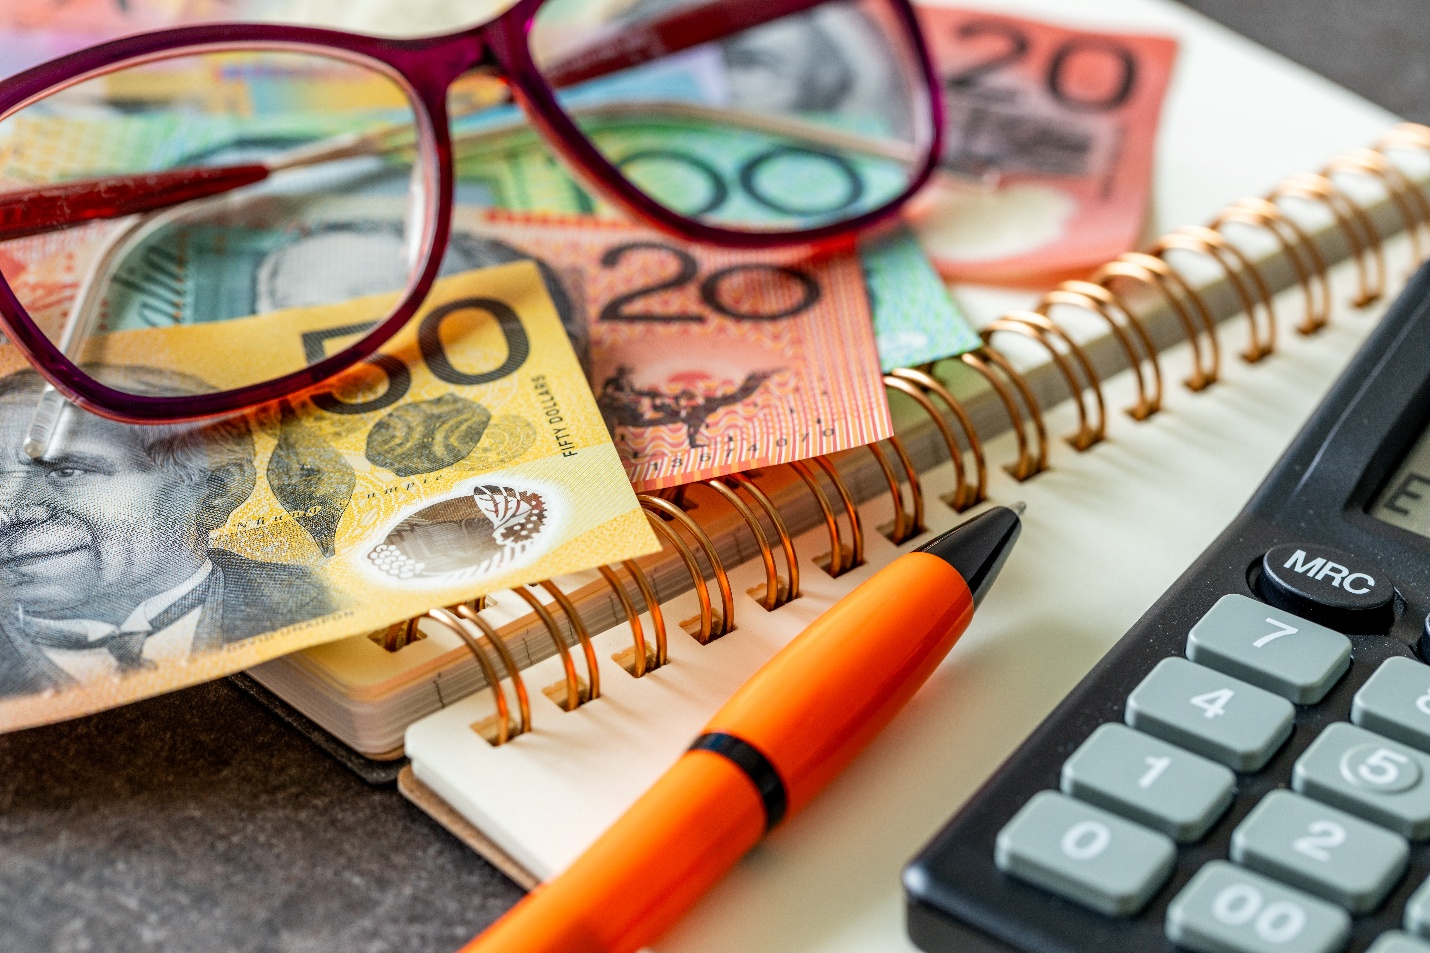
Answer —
(1336, 589)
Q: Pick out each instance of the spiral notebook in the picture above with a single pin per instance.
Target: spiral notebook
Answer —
(531, 799)
(507, 767)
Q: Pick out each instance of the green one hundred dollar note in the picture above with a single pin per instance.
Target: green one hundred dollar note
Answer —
(136, 560)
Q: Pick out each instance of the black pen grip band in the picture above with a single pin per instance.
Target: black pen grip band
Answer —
(756, 766)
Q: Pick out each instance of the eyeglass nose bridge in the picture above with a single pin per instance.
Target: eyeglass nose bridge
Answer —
(431, 65)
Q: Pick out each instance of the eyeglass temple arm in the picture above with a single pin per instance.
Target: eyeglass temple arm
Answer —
(679, 30)
(48, 208)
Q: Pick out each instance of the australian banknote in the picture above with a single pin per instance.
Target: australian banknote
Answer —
(1060, 124)
(705, 361)
(708, 361)
(138, 559)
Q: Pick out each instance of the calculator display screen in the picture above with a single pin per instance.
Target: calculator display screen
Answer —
(1405, 500)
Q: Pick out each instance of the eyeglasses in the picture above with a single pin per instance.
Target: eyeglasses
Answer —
(205, 175)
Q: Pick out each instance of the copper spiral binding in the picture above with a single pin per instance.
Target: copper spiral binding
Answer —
(1101, 296)
(1352, 221)
(402, 634)
(1410, 135)
(1152, 271)
(1103, 303)
(1029, 464)
(916, 489)
(971, 492)
(746, 482)
(583, 636)
(473, 630)
(776, 591)
(1187, 305)
(851, 512)
(833, 563)
(901, 530)
(1238, 269)
(1408, 200)
(572, 693)
(1311, 271)
(523, 702)
(652, 606)
(724, 623)
(899, 385)
(640, 658)
(772, 581)
(1039, 328)
(706, 620)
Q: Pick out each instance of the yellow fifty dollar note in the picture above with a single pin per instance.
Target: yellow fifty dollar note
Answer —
(136, 560)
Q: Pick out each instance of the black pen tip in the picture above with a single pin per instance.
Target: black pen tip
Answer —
(978, 548)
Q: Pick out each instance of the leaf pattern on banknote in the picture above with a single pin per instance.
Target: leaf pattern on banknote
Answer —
(427, 436)
(312, 480)
(517, 515)
(473, 535)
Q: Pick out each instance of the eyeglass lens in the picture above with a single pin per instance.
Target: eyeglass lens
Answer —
(305, 189)
(764, 115)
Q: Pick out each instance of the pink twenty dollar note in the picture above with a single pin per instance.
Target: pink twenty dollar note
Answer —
(1051, 134)
(707, 361)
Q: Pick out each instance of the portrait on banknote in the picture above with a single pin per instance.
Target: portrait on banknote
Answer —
(826, 60)
(106, 565)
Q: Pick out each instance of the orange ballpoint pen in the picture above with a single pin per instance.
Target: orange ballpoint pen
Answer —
(778, 741)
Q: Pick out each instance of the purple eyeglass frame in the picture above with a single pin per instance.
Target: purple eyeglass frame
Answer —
(425, 68)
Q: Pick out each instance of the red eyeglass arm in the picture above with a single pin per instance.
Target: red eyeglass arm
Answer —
(51, 207)
(679, 30)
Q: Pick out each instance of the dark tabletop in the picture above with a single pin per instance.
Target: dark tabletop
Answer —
(199, 822)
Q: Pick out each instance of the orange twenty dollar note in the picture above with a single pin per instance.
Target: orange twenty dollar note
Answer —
(707, 361)
(1060, 126)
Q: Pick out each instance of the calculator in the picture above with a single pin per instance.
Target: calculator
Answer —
(1248, 770)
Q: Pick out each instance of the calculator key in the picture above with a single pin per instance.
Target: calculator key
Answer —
(1225, 909)
(1210, 713)
(1346, 592)
(1171, 790)
(1397, 942)
(1084, 854)
(1395, 702)
(1296, 659)
(1417, 910)
(1378, 779)
(1321, 850)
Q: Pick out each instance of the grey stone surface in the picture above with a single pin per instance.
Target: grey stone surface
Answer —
(1377, 48)
(197, 822)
